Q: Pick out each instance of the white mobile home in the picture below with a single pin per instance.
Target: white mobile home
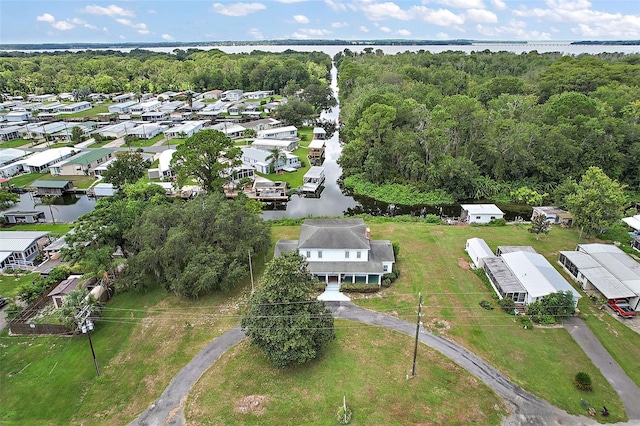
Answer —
(480, 213)
(279, 132)
(478, 250)
(121, 108)
(75, 107)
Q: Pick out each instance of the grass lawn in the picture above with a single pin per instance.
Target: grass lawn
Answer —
(9, 286)
(100, 144)
(366, 364)
(93, 112)
(294, 179)
(432, 260)
(174, 142)
(57, 229)
(15, 143)
(27, 179)
(143, 143)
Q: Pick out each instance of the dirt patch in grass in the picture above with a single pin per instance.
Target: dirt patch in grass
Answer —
(252, 404)
(463, 264)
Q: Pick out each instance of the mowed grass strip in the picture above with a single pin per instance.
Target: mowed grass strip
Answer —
(366, 364)
(142, 341)
(433, 261)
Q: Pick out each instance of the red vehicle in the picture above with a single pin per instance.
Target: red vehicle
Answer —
(622, 308)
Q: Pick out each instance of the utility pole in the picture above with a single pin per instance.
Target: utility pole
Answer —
(418, 323)
(86, 325)
(251, 272)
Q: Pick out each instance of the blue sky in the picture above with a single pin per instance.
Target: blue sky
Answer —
(35, 21)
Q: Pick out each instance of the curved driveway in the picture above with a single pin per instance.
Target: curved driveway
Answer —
(527, 409)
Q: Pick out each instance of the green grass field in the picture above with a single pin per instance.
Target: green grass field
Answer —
(145, 338)
(143, 143)
(365, 364)
(93, 112)
(15, 143)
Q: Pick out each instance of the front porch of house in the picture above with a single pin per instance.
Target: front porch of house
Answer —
(351, 278)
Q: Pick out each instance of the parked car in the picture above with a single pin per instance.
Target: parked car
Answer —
(3, 302)
(622, 308)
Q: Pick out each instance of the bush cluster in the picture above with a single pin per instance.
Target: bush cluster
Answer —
(29, 292)
(359, 288)
(582, 381)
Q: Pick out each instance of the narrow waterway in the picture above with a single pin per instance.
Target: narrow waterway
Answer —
(332, 201)
(65, 209)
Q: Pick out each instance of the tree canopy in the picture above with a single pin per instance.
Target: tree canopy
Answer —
(195, 247)
(486, 124)
(597, 203)
(208, 157)
(283, 320)
(128, 167)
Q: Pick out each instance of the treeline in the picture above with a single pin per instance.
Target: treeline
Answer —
(486, 124)
(143, 71)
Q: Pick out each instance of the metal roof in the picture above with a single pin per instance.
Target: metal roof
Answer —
(314, 172)
(479, 247)
(89, 157)
(39, 159)
(18, 241)
(513, 249)
(503, 275)
(42, 183)
(482, 209)
(617, 262)
(580, 259)
(536, 274)
(633, 221)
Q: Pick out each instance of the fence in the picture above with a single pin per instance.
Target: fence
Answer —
(20, 324)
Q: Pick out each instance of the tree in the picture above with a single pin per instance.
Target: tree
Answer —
(76, 134)
(294, 112)
(208, 157)
(597, 203)
(290, 326)
(74, 303)
(319, 95)
(48, 200)
(127, 168)
(193, 248)
(539, 225)
(8, 198)
(278, 157)
(550, 308)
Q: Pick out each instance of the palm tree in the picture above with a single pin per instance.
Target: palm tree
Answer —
(277, 155)
(48, 200)
(189, 97)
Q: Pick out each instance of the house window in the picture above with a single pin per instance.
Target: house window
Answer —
(319, 254)
(477, 217)
(346, 254)
(358, 254)
(308, 254)
(385, 268)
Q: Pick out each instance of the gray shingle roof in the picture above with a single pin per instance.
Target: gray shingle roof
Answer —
(334, 234)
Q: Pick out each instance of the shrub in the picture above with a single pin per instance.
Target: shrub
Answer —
(526, 322)
(432, 218)
(507, 304)
(582, 381)
(386, 283)
(486, 305)
(344, 414)
(498, 222)
(359, 288)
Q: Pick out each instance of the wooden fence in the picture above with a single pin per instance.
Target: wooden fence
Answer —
(21, 325)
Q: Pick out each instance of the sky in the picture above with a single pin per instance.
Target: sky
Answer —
(133, 21)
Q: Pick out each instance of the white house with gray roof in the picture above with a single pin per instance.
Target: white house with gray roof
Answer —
(341, 251)
(19, 248)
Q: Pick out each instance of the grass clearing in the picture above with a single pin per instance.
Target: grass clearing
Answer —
(432, 260)
(27, 179)
(366, 364)
(93, 112)
(10, 283)
(15, 143)
(144, 143)
(56, 229)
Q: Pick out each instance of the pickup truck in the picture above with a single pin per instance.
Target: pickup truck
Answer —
(622, 308)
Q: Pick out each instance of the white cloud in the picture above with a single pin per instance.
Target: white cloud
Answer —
(381, 11)
(337, 6)
(589, 22)
(514, 29)
(482, 16)
(305, 33)
(141, 28)
(111, 10)
(404, 33)
(301, 19)
(238, 9)
(256, 33)
(62, 25)
(46, 17)
(385, 29)
(90, 26)
(443, 36)
(499, 4)
(167, 37)
(363, 29)
(463, 4)
(339, 25)
(152, 12)
(441, 17)
(290, 1)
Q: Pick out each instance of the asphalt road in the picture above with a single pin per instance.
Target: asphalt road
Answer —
(526, 408)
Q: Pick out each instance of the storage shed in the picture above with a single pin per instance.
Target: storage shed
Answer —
(480, 213)
(478, 250)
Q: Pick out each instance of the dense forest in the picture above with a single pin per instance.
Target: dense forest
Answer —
(143, 71)
(486, 125)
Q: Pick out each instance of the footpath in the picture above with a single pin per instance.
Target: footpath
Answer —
(526, 409)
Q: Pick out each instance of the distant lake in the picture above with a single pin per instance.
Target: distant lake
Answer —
(565, 47)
